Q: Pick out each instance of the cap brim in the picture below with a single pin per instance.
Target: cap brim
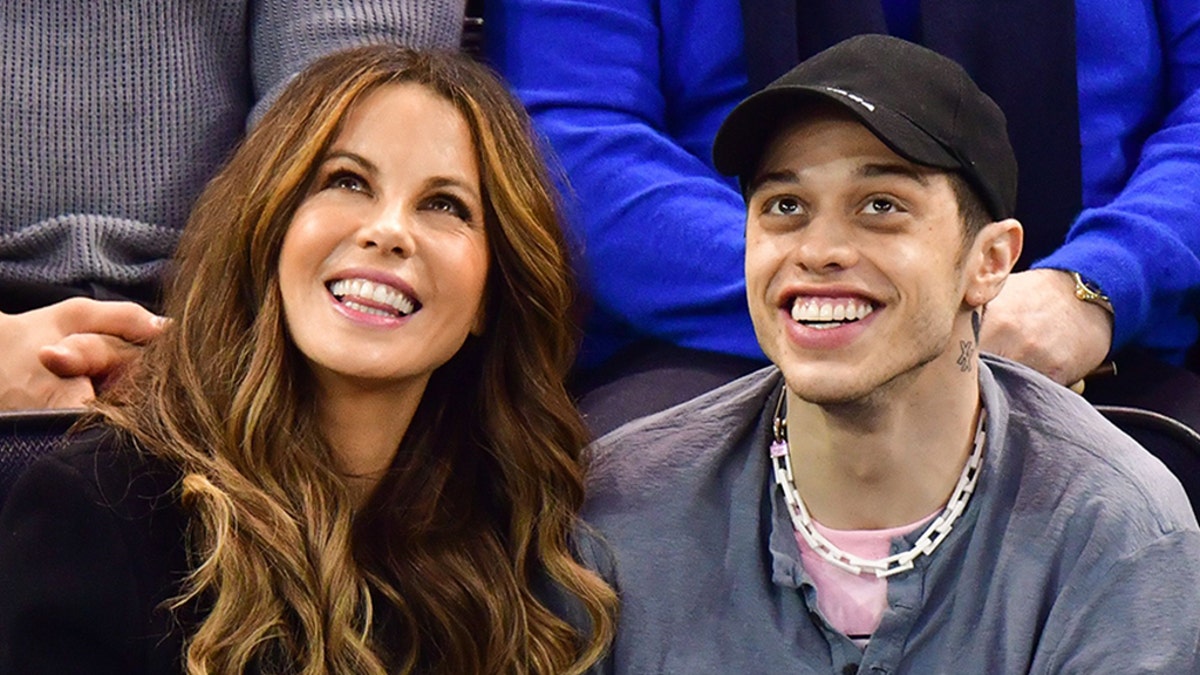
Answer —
(743, 136)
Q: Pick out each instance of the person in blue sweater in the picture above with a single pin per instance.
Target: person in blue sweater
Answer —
(630, 94)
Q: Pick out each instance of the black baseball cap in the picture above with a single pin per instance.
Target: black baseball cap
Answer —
(921, 104)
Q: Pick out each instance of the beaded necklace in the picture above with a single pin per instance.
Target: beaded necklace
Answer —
(926, 544)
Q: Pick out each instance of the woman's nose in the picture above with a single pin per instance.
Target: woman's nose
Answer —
(389, 232)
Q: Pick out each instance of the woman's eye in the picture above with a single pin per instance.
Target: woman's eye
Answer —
(449, 205)
(782, 206)
(881, 205)
(344, 180)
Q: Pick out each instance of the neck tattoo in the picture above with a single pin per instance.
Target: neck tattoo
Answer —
(882, 568)
(966, 355)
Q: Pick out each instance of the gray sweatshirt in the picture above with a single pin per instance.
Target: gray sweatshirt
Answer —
(1078, 552)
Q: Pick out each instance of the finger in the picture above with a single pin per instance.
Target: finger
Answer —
(40, 389)
(126, 320)
(90, 355)
(74, 392)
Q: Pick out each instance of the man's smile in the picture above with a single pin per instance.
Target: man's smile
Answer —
(823, 313)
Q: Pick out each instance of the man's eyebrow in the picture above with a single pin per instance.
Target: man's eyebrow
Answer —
(783, 176)
(894, 169)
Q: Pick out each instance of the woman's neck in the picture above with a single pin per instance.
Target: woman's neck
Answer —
(364, 426)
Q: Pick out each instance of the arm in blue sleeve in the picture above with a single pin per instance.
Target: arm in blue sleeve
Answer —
(286, 35)
(1143, 247)
(663, 233)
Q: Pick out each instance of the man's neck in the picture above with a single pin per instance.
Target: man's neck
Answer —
(888, 460)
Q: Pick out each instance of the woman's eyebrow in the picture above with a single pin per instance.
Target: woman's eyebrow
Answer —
(353, 157)
(451, 181)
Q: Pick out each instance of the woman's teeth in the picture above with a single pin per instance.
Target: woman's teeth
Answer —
(348, 290)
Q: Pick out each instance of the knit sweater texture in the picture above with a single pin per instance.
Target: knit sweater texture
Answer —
(115, 114)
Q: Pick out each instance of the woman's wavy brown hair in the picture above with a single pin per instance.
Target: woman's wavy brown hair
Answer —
(437, 572)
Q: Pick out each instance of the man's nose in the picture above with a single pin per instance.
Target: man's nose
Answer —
(825, 244)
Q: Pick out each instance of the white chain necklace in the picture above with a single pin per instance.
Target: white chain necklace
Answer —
(929, 540)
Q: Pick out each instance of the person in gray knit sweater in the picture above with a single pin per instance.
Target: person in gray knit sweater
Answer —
(114, 116)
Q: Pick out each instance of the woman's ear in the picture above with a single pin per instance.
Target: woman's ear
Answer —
(991, 259)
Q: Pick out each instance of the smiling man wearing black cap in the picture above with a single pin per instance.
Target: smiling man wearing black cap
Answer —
(883, 500)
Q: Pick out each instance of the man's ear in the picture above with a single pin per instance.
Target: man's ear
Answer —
(990, 259)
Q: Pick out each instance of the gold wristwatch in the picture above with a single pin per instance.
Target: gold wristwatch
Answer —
(1087, 291)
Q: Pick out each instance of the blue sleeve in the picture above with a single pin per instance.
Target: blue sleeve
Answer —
(629, 96)
(1143, 246)
(287, 35)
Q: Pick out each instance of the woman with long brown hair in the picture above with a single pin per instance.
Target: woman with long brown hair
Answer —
(351, 451)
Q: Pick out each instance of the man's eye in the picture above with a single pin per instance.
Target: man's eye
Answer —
(783, 206)
(881, 205)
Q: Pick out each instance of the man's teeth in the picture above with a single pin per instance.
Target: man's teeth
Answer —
(820, 314)
(347, 290)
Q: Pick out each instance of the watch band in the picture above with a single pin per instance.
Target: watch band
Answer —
(1087, 291)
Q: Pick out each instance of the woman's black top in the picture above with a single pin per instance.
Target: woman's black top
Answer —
(91, 551)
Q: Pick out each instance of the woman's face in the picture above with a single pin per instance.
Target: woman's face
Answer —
(383, 266)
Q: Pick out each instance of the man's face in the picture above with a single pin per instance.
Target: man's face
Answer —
(853, 262)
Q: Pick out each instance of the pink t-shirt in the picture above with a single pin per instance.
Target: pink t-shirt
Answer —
(853, 603)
